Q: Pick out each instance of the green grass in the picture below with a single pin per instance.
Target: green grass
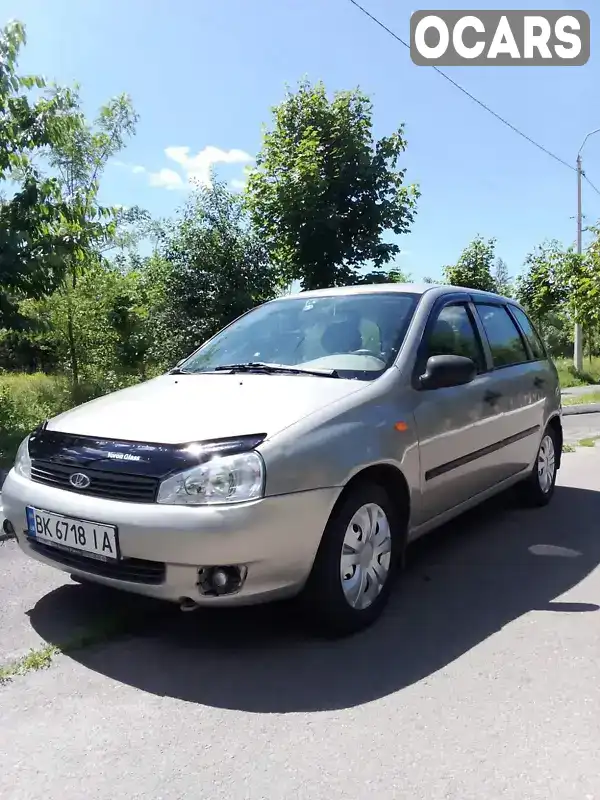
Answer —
(28, 399)
(112, 627)
(590, 374)
(581, 399)
(589, 442)
(34, 660)
(25, 401)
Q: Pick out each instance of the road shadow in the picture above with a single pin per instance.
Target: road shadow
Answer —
(463, 583)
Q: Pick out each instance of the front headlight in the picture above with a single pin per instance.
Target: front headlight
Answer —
(22, 460)
(223, 479)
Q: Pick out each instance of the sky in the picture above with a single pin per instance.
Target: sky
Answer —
(204, 75)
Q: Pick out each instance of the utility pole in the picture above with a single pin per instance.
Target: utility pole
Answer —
(578, 337)
(578, 349)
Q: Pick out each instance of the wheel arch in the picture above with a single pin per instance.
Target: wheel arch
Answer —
(387, 476)
(556, 425)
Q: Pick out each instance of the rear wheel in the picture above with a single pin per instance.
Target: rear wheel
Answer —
(356, 564)
(537, 490)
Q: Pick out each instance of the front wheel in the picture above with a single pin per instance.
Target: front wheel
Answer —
(537, 490)
(356, 563)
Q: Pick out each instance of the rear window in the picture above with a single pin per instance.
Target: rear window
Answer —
(503, 336)
(534, 341)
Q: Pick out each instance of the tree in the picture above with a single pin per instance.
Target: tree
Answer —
(324, 192)
(79, 159)
(85, 310)
(539, 287)
(580, 278)
(394, 275)
(38, 230)
(213, 268)
(560, 287)
(502, 281)
(473, 270)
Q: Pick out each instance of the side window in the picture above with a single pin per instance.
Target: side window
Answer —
(534, 341)
(504, 338)
(454, 334)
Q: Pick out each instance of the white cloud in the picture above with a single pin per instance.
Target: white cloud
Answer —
(166, 179)
(197, 168)
(193, 170)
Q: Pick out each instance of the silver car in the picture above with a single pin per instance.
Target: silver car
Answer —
(297, 452)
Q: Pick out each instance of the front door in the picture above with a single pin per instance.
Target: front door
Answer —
(458, 427)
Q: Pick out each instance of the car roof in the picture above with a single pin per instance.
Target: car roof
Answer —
(400, 288)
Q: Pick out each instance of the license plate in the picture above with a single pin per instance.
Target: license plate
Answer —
(82, 536)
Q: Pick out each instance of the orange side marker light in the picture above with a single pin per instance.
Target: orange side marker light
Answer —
(401, 426)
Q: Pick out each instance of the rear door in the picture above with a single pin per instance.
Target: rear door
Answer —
(545, 388)
(458, 427)
(519, 384)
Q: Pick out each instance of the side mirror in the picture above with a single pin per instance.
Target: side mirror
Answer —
(444, 371)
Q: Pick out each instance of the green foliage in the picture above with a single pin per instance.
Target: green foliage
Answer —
(502, 282)
(37, 229)
(324, 192)
(132, 225)
(25, 401)
(393, 275)
(79, 158)
(214, 268)
(473, 269)
(560, 287)
(102, 313)
(569, 376)
(557, 332)
(539, 288)
(580, 282)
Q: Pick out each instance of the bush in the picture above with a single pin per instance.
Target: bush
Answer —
(570, 377)
(25, 401)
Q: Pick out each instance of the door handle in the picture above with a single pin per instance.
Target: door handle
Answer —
(491, 397)
(538, 382)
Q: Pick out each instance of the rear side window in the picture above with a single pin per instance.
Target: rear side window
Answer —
(537, 347)
(504, 338)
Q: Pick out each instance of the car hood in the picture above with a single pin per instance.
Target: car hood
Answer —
(175, 409)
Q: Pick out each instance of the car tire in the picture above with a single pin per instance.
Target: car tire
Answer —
(537, 490)
(368, 526)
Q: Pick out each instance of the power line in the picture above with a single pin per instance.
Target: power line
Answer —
(464, 91)
(595, 188)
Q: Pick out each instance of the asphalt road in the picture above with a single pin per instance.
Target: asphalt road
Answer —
(482, 681)
(581, 390)
(580, 426)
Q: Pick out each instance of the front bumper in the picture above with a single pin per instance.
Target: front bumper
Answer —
(275, 538)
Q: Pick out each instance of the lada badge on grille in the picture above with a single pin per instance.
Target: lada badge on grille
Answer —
(79, 480)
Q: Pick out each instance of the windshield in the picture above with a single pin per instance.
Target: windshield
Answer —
(356, 335)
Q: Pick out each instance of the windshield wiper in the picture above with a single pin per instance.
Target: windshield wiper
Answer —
(262, 366)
